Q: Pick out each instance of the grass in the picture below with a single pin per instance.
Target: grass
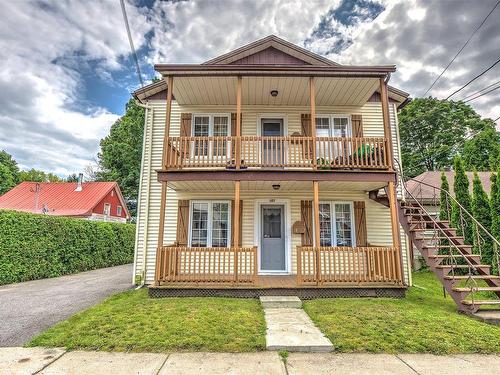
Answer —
(423, 322)
(131, 321)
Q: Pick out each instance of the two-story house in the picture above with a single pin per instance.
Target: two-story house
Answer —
(261, 174)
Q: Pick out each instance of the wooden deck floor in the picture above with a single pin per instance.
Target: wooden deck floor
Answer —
(274, 282)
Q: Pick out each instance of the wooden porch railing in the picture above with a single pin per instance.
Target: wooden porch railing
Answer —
(348, 265)
(206, 265)
(277, 152)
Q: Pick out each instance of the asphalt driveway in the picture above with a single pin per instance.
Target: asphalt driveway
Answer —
(28, 308)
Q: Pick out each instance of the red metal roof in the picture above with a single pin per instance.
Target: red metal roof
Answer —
(60, 198)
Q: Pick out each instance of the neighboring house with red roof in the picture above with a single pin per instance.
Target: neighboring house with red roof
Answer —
(102, 201)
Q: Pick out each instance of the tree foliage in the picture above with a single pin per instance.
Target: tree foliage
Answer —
(121, 151)
(433, 131)
(482, 213)
(9, 172)
(461, 187)
(38, 176)
(482, 151)
(495, 205)
(444, 201)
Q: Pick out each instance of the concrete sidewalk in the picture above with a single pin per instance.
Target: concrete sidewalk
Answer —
(57, 361)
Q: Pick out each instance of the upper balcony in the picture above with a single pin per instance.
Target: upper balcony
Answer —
(276, 152)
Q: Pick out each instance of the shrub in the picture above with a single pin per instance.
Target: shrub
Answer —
(36, 246)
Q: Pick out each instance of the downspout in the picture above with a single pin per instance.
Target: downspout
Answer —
(148, 131)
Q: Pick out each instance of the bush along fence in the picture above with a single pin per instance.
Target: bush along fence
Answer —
(36, 246)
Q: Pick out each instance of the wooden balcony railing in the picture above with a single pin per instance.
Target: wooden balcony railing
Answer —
(206, 265)
(348, 265)
(277, 152)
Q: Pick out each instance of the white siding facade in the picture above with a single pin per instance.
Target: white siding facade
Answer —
(378, 216)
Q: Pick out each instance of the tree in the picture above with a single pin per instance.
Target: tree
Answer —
(495, 205)
(6, 179)
(121, 151)
(9, 172)
(444, 200)
(482, 151)
(433, 131)
(72, 178)
(38, 176)
(482, 213)
(461, 186)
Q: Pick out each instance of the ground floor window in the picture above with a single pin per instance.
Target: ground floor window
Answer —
(210, 224)
(336, 224)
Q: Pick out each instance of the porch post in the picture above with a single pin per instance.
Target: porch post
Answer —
(164, 163)
(387, 123)
(312, 102)
(396, 238)
(236, 229)
(317, 240)
(238, 124)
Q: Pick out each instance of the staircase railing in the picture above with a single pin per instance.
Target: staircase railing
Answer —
(482, 237)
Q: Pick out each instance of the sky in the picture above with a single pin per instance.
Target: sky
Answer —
(66, 70)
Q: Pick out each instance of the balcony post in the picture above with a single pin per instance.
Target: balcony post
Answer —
(396, 238)
(236, 229)
(163, 199)
(238, 124)
(387, 123)
(317, 238)
(312, 102)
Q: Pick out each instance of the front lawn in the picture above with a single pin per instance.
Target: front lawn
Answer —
(132, 321)
(423, 322)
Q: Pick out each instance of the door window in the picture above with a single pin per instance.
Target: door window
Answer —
(272, 223)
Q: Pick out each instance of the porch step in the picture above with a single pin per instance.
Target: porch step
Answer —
(466, 277)
(482, 302)
(479, 289)
(280, 302)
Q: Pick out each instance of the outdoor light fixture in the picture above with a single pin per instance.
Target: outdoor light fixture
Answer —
(274, 93)
(276, 187)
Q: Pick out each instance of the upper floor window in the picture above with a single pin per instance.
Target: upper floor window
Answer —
(119, 210)
(215, 125)
(336, 224)
(333, 126)
(107, 209)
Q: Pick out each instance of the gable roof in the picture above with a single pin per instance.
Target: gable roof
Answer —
(267, 43)
(434, 178)
(60, 197)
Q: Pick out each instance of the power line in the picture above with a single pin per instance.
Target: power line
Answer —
(461, 49)
(484, 93)
(473, 79)
(134, 54)
(477, 92)
(495, 120)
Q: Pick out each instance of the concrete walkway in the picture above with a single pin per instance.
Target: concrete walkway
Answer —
(290, 328)
(28, 308)
(57, 361)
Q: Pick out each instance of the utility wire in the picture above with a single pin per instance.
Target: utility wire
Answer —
(479, 91)
(473, 79)
(484, 93)
(495, 120)
(461, 49)
(134, 54)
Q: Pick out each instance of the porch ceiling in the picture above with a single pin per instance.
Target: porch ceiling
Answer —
(267, 186)
(256, 90)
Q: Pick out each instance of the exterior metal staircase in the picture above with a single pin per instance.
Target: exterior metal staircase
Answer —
(458, 265)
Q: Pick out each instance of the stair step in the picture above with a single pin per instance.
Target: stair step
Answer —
(429, 222)
(466, 277)
(479, 289)
(481, 302)
(463, 266)
(430, 229)
(428, 238)
(460, 246)
(278, 302)
(445, 256)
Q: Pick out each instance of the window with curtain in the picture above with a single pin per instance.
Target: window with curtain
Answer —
(336, 224)
(209, 223)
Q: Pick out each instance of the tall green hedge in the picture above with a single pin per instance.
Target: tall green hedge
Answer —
(38, 246)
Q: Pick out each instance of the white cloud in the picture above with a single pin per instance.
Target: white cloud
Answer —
(42, 46)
